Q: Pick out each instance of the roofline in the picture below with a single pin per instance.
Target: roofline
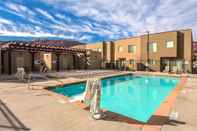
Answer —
(33, 46)
(130, 37)
(167, 31)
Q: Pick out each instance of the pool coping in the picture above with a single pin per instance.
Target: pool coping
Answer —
(113, 75)
(163, 110)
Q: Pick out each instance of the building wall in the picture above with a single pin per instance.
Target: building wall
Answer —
(66, 62)
(160, 39)
(24, 59)
(94, 60)
(109, 52)
(124, 43)
(182, 49)
(125, 54)
(162, 51)
(95, 46)
(80, 61)
(82, 46)
(97, 55)
(188, 49)
(18, 59)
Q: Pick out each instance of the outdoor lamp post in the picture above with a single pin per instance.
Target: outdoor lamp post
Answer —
(147, 61)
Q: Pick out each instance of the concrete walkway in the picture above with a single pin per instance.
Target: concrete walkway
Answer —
(37, 111)
(185, 108)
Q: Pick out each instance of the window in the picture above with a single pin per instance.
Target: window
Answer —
(99, 49)
(169, 44)
(153, 47)
(152, 62)
(131, 48)
(120, 49)
(132, 61)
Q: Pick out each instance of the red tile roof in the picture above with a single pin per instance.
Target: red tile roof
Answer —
(43, 45)
(65, 43)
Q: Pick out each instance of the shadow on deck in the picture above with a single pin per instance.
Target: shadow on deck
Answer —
(154, 120)
(8, 120)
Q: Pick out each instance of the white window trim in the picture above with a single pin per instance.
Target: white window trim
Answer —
(171, 42)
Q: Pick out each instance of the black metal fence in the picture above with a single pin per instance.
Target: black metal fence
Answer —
(176, 66)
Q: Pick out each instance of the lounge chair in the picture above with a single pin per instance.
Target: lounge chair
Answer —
(20, 74)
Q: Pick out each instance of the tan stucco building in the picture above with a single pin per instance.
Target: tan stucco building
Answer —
(166, 51)
(32, 56)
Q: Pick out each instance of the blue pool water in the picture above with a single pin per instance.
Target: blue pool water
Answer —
(136, 97)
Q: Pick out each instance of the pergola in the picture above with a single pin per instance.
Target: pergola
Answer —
(33, 47)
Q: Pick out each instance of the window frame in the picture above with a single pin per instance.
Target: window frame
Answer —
(166, 43)
(130, 50)
(152, 62)
(132, 61)
(99, 50)
(151, 44)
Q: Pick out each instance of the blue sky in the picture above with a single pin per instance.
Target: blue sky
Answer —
(95, 20)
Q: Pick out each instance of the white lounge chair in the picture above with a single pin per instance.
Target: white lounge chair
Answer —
(20, 74)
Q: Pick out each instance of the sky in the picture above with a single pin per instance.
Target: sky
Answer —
(91, 21)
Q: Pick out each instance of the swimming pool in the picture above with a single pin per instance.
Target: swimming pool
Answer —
(134, 96)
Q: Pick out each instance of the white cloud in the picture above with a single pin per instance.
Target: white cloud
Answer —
(137, 15)
(44, 13)
(110, 19)
(63, 17)
(5, 21)
(85, 38)
(18, 8)
(28, 34)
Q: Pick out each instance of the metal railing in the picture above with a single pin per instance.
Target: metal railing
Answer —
(177, 66)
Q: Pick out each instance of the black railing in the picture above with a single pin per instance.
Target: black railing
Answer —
(176, 66)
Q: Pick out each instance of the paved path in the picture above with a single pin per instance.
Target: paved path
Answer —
(36, 110)
(186, 109)
(39, 112)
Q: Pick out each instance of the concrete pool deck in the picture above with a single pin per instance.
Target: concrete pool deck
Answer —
(36, 110)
